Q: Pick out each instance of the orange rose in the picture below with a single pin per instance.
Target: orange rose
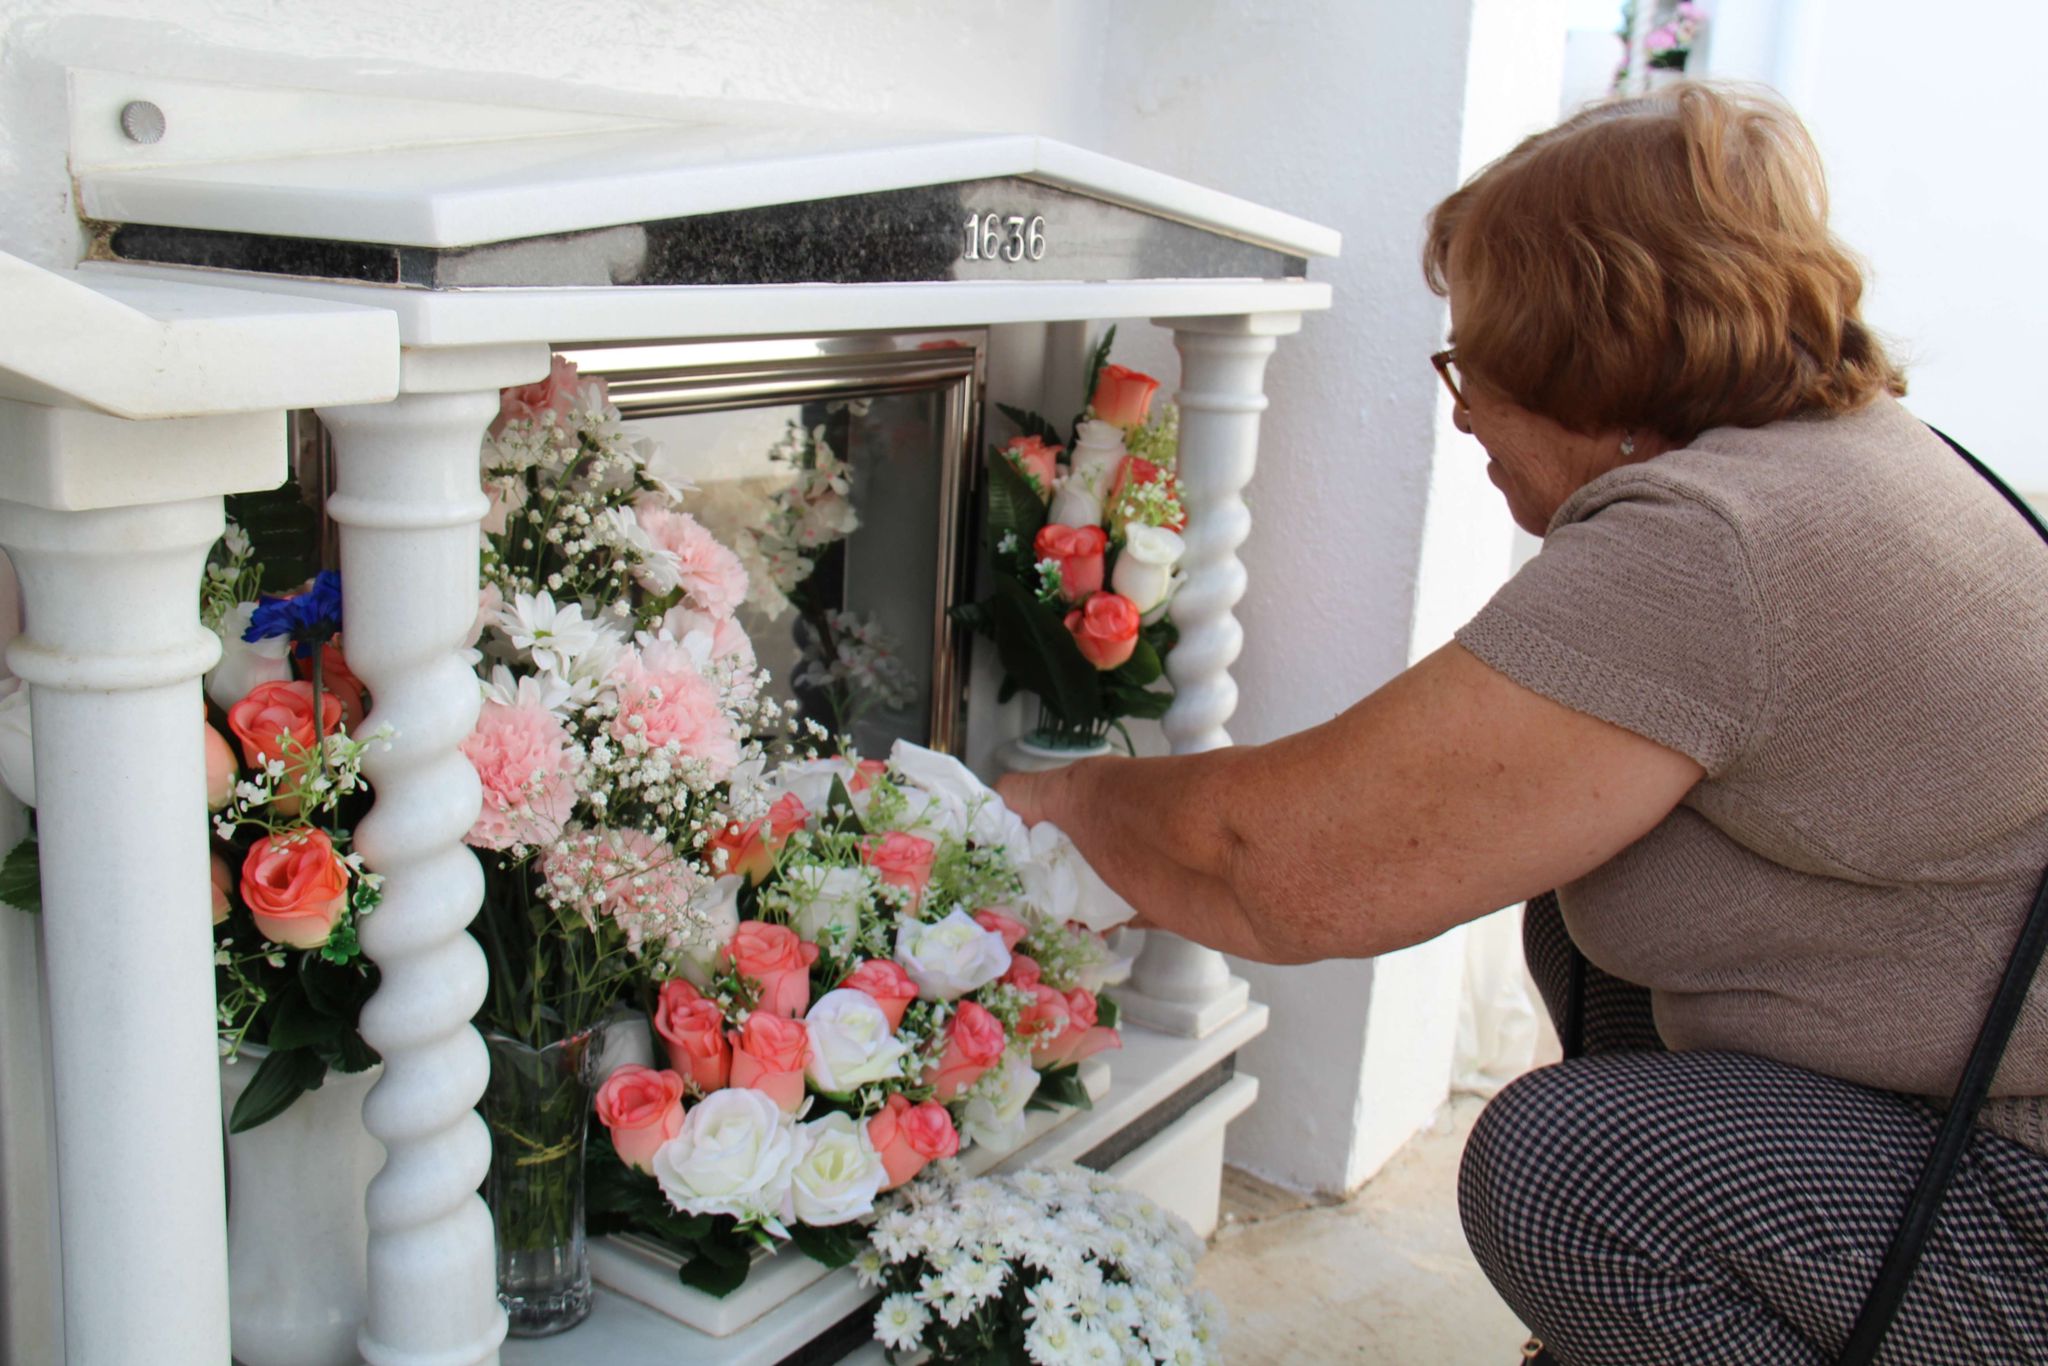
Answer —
(223, 879)
(1003, 923)
(1036, 460)
(768, 1055)
(220, 770)
(1106, 629)
(337, 678)
(888, 983)
(773, 956)
(275, 712)
(1046, 1022)
(974, 1043)
(1123, 396)
(295, 886)
(1079, 551)
(906, 1137)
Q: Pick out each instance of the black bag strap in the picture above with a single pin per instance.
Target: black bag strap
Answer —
(1896, 1271)
(1881, 1303)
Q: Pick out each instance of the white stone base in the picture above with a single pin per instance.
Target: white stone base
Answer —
(1190, 1021)
(1181, 1167)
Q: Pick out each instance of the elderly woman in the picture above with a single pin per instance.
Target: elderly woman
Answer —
(1770, 709)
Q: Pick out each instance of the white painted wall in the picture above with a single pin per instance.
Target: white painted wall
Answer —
(1925, 115)
(1374, 530)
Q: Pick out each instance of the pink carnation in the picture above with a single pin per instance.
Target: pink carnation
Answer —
(664, 700)
(728, 638)
(712, 577)
(556, 394)
(523, 758)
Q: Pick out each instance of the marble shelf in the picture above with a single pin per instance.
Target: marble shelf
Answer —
(1179, 1165)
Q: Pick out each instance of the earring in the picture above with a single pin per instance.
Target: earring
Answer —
(1628, 443)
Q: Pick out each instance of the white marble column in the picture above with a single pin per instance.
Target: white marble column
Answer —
(112, 652)
(408, 504)
(1178, 986)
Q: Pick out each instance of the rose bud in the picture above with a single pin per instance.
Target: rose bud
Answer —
(1078, 550)
(773, 956)
(643, 1109)
(974, 1043)
(295, 886)
(768, 1055)
(1106, 630)
(693, 1031)
(1144, 568)
(1123, 396)
(1037, 460)
(220, 770)
(907, 1137)
(223, 879)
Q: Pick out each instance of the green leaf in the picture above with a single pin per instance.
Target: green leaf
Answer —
(1144, 666)
(1096, 361)
(715, 1278)
(1031, 424)
(333, 988)
(21, 877)
(352, 1054)
(1124, 700)
(301, 1024)
(1036, 650)
(1062, 1086)
(831, 1247)
(284, 530)
(1107, 1011)
(283, 1077)
(840, 812)
(1014, 509)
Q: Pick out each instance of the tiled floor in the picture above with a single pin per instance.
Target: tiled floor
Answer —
(1383, 1277)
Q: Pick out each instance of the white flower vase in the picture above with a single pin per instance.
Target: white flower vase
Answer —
(1028, 754)
(296, 1228)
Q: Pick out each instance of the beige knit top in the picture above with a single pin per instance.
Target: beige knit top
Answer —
(1848, 629)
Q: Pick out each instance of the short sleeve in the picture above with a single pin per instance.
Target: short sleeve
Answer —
(1639, 610)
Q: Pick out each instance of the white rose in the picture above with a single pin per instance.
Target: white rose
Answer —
(824, 900)
(951, 957)
(1144, 568)
(994, 1114)
(811, 780)
(956, 802)
(851, 1043)
(1074, 504)
(837, 1174)
(714, 916)
(1098, 450)
(1060, 885)
(244, 664)
(733, 1156)
(17, 744)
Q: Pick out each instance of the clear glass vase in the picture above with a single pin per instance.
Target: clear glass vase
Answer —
(538, 1108)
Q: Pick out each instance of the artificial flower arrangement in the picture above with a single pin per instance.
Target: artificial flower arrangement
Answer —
(287, 888)
(907, 969)
(1084, 559)
(1045, 1265)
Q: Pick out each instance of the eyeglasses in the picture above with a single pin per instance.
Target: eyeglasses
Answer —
(1444, 361)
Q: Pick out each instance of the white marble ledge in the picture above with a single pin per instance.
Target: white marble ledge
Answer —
(438, 318)
(1150, 1068)
(443, 174)
(174, 346)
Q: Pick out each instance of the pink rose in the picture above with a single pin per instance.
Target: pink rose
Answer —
(295, 886)
(775, 957)
(1023, 972)
(220, 770)
(276, 712)
(643, 1109)
(1136, 469)
(747, 851)
(901, 860)
(556, 394)
(1106, 629)
(974, 1043)
(1001, 922)
(1086, 1045)
(1036, 460)
(664, 700)
(223, 879)
(1079, 551)
(888, 983)
(865, 773)
(907, 1136)
(1123, 396)
(768, 1055)
(694, 1032)
(1084, 1038)
(711, 576)
(1045, 1022)
(522, 755)
(787, 816)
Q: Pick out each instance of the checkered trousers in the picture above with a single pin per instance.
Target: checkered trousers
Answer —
(1646, 1208)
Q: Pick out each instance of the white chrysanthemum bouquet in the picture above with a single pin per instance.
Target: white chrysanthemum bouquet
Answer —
(1052, 1265)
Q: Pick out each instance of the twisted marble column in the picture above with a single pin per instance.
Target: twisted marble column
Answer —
(408, 504)
(1178, 986)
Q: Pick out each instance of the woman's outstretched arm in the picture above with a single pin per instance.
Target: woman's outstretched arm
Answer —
(1450, 792)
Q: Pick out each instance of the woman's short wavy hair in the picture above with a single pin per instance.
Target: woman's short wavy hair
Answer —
(1660, 263)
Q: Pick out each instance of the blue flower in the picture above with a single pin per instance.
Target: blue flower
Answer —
(313, 615)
